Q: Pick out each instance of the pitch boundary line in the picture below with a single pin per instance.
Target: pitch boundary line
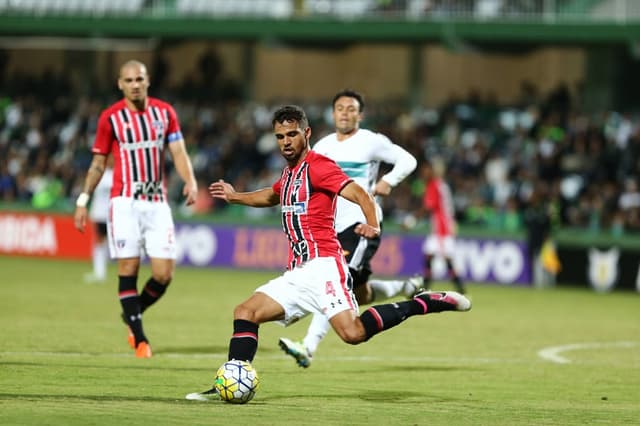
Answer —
(173, 355)
(552, 353)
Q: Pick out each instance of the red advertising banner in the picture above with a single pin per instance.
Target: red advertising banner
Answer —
(43, 235)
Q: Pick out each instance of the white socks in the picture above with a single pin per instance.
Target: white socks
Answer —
(385, 289)
(317, 330)
(100, 260)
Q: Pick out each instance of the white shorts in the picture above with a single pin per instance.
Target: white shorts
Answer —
(134, 225)
(319, 286)
(439, 245)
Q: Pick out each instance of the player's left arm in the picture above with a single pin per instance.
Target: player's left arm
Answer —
(354, 193)
(403, 165)
(185, 169)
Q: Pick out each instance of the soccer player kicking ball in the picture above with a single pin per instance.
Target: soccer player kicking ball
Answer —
(317, 279)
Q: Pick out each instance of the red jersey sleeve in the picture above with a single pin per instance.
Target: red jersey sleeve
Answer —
(173, 131)
(104, 136)
(277, 186)
(325, 174)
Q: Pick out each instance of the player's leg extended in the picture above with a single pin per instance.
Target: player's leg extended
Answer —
(303, 351)
(385, 289)
(378, 318)
(368, 291)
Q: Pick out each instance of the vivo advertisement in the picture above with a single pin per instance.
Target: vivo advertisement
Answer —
(265, 248)
(479, 260)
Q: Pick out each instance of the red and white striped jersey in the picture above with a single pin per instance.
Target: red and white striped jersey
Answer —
(137, 140)
(308, 195)
(438, 200)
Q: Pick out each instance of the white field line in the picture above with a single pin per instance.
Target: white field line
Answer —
(552, 353)
(213, 355)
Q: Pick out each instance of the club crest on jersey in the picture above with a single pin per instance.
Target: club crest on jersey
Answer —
(120, 243)
(157, 125)
(296, 208)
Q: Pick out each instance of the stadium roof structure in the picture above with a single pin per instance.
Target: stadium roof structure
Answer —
(503, 21)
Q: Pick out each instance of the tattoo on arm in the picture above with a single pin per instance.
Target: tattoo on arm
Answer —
(94, 174)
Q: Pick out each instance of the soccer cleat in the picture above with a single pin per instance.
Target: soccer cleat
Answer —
(297, 351)
(131, 339)
(209, 395)
(438, 301)
(413, 286)
(143, 350)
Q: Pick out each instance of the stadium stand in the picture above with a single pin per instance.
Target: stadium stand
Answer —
(221, 8)
(530, 10)
(72, 7)
(496, 153)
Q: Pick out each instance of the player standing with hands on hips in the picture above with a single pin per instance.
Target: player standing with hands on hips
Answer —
(137, 131)
(317, 279)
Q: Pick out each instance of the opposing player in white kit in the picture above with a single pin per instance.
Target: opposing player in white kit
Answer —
(137, 131)
(98, 212)
(359, 153)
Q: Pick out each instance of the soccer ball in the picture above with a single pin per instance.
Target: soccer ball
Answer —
(236, 382)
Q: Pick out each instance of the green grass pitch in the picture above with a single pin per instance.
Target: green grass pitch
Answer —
(520, 357)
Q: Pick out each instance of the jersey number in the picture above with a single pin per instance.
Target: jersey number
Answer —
(328, 288)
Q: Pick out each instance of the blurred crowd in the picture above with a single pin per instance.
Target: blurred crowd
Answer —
(585, 165)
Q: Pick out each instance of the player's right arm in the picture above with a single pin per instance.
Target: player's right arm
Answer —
(265, 197)
(94, 174)
(404, 163)
(354, 193)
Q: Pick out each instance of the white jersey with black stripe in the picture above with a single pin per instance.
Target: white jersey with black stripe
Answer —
(359, 156)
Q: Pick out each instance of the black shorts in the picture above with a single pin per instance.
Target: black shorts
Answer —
(359, 251)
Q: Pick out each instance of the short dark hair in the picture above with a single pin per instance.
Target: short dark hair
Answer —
(290, 113)
(349, 93)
